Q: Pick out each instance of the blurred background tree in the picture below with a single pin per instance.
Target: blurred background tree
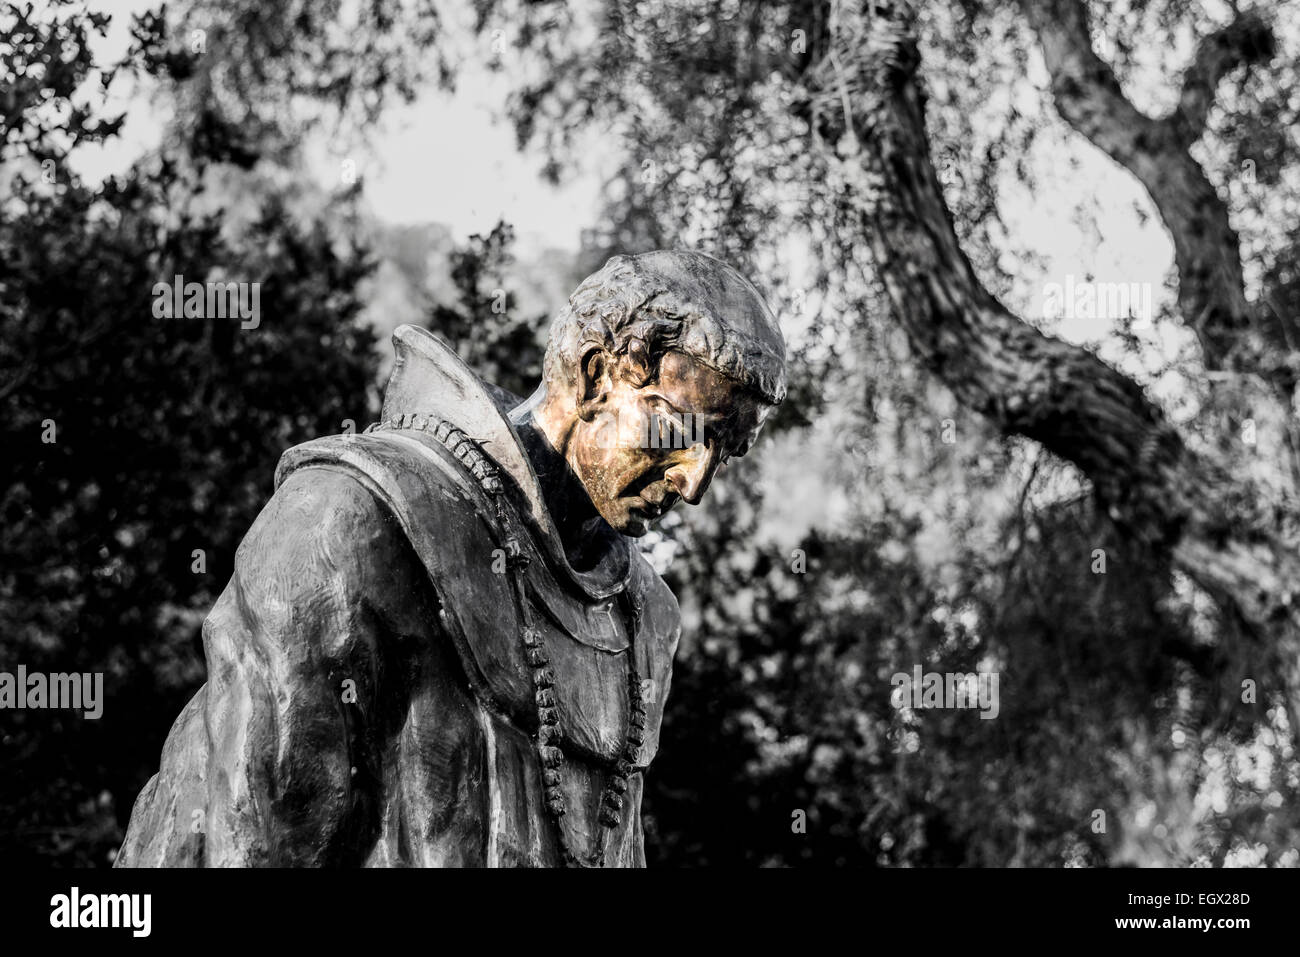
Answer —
(971, 464)
(485, 322)
(890, 517)
(138, 450)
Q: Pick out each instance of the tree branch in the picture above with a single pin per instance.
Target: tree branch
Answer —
(1211, 288)
(865, 101)
(1245, 41)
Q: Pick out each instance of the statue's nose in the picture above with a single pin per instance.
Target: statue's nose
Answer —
(693, 473)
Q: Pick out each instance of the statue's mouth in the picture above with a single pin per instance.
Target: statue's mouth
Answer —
(652, 489)
(651, 509)
(644, 508)
(657, 499)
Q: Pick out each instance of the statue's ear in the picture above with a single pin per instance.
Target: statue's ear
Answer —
(593, 381)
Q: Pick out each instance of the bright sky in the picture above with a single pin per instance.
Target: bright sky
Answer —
(445, 159)
(452, 159)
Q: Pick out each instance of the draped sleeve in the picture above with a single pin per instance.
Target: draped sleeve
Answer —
(277, 761)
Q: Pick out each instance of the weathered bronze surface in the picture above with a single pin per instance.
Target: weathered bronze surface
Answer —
(439, 646)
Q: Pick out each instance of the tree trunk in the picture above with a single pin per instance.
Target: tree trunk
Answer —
(868, 111)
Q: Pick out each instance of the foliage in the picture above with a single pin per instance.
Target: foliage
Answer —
(1118, 695)
(926, 539)
(165, 434)
(486, 323)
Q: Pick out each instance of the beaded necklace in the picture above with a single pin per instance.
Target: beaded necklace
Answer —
(548, 736)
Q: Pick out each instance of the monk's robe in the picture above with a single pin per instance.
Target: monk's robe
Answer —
(406, 670)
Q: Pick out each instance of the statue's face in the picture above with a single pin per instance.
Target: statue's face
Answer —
(639, 449)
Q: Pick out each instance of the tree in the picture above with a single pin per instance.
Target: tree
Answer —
(138, 449)
(747, 125)
(485, 324)
(1220, 528)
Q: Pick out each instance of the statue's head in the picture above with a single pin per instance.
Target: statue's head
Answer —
(660, 368)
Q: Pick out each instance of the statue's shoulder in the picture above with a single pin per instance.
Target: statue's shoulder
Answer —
(430, 453)
(659, 618)
(331, 507)
(659, 605)
(427, 476)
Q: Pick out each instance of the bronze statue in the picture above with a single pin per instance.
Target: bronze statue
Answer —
(439, 646)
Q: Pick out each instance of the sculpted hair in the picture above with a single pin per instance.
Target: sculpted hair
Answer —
(635, 315)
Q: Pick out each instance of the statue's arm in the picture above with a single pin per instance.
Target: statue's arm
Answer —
(296, 654)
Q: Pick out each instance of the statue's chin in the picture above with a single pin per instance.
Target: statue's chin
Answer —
(635, 528)
(634, 522)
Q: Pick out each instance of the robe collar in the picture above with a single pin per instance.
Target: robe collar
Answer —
(429, 378)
